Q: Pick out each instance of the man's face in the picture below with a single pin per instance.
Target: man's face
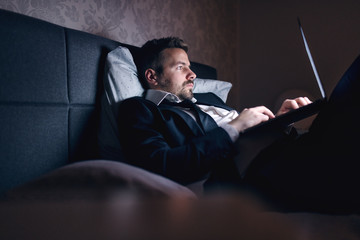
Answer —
(177, 77)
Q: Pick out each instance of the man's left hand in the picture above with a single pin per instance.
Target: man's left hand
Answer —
(290, 104)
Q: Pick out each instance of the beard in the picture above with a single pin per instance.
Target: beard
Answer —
(182, 92)
(186, 93)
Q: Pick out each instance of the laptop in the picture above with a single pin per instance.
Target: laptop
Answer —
(258, 137)
(295, 115)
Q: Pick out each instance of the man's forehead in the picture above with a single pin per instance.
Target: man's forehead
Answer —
(175, 55)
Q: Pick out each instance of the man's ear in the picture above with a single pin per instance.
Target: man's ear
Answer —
(151, 77)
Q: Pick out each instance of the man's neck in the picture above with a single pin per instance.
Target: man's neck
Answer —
(157, 96)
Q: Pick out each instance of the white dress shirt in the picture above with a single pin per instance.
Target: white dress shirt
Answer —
(221, 116)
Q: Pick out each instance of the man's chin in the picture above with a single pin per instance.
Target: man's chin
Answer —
(189, 95)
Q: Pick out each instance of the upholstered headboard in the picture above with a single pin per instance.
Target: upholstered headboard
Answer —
(51, 85)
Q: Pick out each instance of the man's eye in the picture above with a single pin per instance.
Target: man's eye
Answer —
(179, 67)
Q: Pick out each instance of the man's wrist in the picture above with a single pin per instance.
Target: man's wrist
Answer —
(232, 131)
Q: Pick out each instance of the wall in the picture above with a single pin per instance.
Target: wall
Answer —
(272, 59)
(207, 26)
(255, 44)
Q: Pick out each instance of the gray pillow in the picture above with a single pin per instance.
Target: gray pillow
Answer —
(220, 88)
(121, 79)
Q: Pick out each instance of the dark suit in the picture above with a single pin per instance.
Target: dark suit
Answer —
(317, 171)
(168, 141)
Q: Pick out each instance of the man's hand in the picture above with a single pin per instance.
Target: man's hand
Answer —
(250, 117)
(290, 104)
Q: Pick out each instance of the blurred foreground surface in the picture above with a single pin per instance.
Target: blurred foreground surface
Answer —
(127, 217)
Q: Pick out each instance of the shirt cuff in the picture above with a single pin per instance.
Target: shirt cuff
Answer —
(233, 133)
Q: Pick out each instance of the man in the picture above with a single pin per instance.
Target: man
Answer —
(181, 142)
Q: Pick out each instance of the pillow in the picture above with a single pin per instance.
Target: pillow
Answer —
(220, 88)
(121, 80)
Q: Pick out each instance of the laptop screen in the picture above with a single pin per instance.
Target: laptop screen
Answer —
(312, 61)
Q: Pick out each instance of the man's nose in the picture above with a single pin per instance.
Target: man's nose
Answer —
(191, 75)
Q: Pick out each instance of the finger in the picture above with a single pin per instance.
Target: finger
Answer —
(291, 104)
(265, 111)
(307, 100)
(301, 101)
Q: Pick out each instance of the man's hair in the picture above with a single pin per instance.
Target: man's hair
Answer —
(151, 55)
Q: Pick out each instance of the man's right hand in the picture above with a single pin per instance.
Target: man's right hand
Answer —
(250, 117)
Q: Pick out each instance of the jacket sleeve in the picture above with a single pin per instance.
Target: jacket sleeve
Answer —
(145, 142)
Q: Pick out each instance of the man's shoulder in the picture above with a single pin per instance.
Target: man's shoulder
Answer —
(136, 99)
(136, 102)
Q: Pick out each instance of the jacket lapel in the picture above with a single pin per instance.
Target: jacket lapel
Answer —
(188, 120)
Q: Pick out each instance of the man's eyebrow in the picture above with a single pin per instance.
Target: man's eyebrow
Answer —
(183, 63)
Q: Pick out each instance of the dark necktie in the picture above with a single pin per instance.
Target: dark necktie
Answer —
(205, 120)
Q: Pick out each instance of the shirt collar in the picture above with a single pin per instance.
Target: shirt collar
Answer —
(157, 96)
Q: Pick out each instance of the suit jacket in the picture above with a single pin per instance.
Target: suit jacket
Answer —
(166, 140)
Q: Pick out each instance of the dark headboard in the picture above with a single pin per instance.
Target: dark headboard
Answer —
(51, 85)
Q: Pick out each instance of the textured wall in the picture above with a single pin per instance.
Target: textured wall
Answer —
(255, 44)
(207, 26)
